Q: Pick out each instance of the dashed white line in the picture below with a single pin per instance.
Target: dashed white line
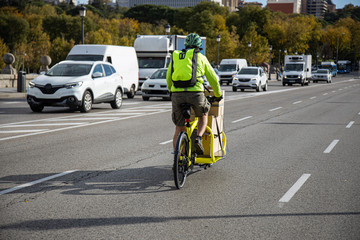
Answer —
(274, 109)
(43, 124)
(331, 146)
(297, 102)
(350, 124)
(241, 119)
(24, 131)
(291, 192)
(35, 182)
(325, 94)
(312, 97)
(166, 142)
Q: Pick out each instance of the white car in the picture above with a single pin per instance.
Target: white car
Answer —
(76, 84)
(156, 86)
(321, 75)
(250, 78)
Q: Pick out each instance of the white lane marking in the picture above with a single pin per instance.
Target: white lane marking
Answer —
(166, 142)
(79, 126)
(334, 91)
(43, 124)
(297, 102)
(325, 94)
(132, 103)
(312, 97)
(331, 146)
(35, 182)
(241, 119)
(275, 109)
(24, 131)
(11, 102)
(350, 124)
(291, 192)
(359, 113)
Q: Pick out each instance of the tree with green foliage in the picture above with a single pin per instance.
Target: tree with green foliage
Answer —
(59, 49)
(3, 50)
(13, 29)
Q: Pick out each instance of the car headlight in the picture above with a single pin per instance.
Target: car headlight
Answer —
(31, 84)
(73, 85)
(235, 79)
(284, 76)
(253, 79)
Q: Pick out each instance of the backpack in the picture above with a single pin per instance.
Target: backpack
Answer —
(184, 74)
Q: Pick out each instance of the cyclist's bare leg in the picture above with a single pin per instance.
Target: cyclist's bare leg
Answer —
(178, 129)
(202, 124)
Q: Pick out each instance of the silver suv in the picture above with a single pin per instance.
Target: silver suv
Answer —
(250, 78)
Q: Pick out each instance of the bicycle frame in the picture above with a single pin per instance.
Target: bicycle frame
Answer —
(202, 159)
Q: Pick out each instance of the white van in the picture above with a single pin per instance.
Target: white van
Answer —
(228, 69)
(123, 59)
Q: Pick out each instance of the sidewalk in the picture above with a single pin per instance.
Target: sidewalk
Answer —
(8, 93)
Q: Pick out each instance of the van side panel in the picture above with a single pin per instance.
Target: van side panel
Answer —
(123, 59)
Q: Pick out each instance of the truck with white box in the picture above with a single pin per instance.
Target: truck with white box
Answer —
(154, 52)
(229, 68)
(297, 70)
(122, 58)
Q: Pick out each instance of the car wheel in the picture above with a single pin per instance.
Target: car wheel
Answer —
(234, 89)
(145, 98)
(284, 84)
(86, 103)
(258, 88)
(242, 90)
(265, 87)
(36, 107)
(132, 92)
(116, 104)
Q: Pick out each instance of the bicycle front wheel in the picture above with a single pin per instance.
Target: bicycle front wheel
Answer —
(181, 160)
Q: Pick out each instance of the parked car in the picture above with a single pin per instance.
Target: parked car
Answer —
(322, 75)
(250, 78)
(156, 86)
(76, 84)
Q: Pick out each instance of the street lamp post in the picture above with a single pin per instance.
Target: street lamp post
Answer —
(218, 38)
(249, 46)
(167, 29)
(270, 48)
(279, 57)
(82, 12)
(337, 48)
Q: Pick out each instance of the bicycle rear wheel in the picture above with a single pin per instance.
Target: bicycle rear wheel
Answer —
(181, 160)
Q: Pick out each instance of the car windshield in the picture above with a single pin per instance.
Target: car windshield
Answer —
(151, 62)
(85, 57)
(160, 74)
(248, 71)
(321, 71)
(227, 68)
(69, 69)
(293, 67)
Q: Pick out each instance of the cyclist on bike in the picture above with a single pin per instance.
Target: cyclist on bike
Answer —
(185, 82)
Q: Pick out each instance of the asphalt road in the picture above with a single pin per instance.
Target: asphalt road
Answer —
(291, 172)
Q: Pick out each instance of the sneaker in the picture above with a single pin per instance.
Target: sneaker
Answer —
(198, 146)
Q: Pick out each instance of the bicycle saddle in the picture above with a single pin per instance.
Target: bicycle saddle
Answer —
(185, 110)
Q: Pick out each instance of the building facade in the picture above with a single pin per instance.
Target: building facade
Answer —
(285, 6)
(171, 3)
(316, 8)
